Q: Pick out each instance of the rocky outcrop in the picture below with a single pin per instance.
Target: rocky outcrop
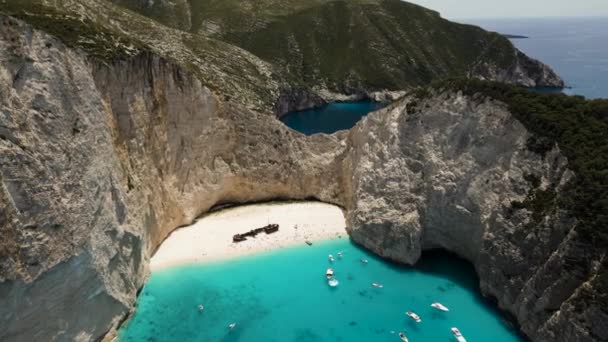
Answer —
(302, 99)
(297, 99)
(99, 161)
(444, 173)
(523, 71)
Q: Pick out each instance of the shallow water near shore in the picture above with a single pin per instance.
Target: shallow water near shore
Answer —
(283, 296)
(330, 118)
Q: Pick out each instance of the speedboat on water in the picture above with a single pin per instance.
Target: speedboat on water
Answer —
(333, 282)
(458, 335)
(231, 326)
(329, 273)
(377, 285)
(339, 254)
(413, 316)
(440, 307)
(331, 258)
(365, 261)
(403, 337)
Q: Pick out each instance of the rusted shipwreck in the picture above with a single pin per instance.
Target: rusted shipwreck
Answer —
(269, 229)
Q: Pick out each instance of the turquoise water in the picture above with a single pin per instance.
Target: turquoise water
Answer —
(283, 296)
(330, 118)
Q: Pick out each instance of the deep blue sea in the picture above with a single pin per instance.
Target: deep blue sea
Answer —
(284, 296)
(330, 118)
(577, 48)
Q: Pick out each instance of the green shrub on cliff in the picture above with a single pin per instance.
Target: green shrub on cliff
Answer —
(344, 45)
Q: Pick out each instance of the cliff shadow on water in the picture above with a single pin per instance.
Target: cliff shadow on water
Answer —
(460, 271)
(457, 271)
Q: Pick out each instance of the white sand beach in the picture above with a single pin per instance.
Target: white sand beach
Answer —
(210, 238)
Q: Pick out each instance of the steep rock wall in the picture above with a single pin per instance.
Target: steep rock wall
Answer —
(101, 161)
(443, 173)
(523, 71)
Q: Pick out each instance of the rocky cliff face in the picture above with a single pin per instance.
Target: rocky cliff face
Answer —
(522, 70)
(444, 173)
(101, 160)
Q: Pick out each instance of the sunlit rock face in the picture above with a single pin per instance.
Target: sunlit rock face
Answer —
(444, 172)
(101, 161)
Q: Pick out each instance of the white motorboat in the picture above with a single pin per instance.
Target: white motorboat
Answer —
(440, 307)
(413, 316)
(231, 326)
(458, 335)
(331, 258)
(403, 337)
(339, 254)
(365, 261)
(333, 282)
(329, 273)
(377, 285)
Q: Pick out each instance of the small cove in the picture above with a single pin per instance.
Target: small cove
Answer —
(282, 295)
(330, 118)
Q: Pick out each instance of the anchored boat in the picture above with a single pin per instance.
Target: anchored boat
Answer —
(413, 316)
(440, 307)
(458, 335)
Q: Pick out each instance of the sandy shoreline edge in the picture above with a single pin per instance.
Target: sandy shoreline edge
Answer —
(210, 238)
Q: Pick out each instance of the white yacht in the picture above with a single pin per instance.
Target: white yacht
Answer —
(458, 335)
(440, 307)
(413, 316)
